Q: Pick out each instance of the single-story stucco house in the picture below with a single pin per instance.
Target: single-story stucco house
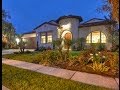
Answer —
(94, 31)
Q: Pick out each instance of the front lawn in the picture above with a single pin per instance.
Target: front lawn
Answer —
(21, 79)
(103, 63)
(30, 57)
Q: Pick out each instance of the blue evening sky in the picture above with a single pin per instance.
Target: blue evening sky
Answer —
(28, 14)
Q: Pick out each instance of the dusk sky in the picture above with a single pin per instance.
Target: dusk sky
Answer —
(28, 14)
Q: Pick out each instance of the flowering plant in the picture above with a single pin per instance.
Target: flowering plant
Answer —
(98, 57)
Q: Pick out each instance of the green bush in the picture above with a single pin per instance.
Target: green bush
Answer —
(42, 48)
(47, 57)
(101, 47)
(99, 67)
(16, 52)
(27, 51)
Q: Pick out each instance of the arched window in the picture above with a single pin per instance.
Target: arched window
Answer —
(96, 37)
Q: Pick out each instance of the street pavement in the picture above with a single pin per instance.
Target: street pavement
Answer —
(4, 88)
(11, 51)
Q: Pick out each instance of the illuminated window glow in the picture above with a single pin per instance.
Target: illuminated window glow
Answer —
(43, 38)
(49, 37)
(95, 37)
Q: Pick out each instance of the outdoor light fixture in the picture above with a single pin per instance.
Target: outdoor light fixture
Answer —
(67, 26)
(17, 40)
(24, 40)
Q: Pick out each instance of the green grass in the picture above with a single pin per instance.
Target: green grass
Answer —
(29, 57)
(21, 79)
(75, 53)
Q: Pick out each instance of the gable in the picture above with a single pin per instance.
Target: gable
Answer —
(29, 35)
(94, 20)
(44, 24)
(46, 27)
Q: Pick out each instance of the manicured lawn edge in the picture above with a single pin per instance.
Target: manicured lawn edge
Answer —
(71, 64)
(17, 79)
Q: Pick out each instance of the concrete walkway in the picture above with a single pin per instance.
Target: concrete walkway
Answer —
(87, 78)
(4, 88)
(11, 51)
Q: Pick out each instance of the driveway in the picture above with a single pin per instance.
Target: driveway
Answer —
(10, 51)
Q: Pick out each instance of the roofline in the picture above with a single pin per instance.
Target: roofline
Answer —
(69, 16)
(94, 18)
(46, 23)
(96, 23)
(29, 32)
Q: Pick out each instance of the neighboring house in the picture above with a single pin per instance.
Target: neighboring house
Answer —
(94, 31)
(30, 39)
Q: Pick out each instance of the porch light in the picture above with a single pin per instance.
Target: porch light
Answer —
(17, 40)
(67, 26)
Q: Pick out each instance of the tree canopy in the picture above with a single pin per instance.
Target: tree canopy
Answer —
(112, 7)
(8, 30)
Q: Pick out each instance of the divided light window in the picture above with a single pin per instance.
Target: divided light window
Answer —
(43, 37)
(49, 37)
(96, 37)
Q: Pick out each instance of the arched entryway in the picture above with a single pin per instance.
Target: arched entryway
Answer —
(66, 35)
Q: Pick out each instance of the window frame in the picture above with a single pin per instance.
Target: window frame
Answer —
(42, 36)
(48, 36)
(91, 37)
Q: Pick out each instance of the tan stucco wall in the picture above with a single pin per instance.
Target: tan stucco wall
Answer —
(84, 31)
(46, 28)
(73, 23)
(29, 35)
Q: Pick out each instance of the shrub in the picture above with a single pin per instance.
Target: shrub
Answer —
(74, 48)
(47, 57)
(42, 48)
(16, 52)
(36, 61)
(112, 59)
(80, 43)
(48, 48)
(84, 58)
(27, 51)
(101, 47)
(53, 57)
(68, 43)
(99, 67)
(98, 57)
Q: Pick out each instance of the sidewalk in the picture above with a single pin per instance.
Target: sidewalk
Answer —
(87, 78)
(4, 88)
(10, 51)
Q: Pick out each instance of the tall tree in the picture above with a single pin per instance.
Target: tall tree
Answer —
(115, 9)
(8, 30)
(112, 7)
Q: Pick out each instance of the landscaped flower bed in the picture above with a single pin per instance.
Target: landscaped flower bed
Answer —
(104, 63)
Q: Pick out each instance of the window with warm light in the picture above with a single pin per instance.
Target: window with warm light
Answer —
(43, 38)
(96, 37)
(49, 37)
